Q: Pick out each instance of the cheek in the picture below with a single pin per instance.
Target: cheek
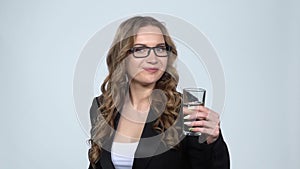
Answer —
(164, 64)
(132, 67)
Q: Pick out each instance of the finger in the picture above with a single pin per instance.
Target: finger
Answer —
(202, 116)
(213, 116)
(202, 123)
(202, 130)
(214, 132)
(189, 110)
(196, 115)
(207, 110)
(200, 108)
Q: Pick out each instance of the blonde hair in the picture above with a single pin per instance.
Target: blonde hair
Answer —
(115, 86)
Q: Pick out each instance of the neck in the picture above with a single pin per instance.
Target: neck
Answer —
(140, 96)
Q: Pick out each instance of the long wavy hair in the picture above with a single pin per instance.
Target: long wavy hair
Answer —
(115, 86)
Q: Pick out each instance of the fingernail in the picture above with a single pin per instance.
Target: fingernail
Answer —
(187, 123)
(187, 117)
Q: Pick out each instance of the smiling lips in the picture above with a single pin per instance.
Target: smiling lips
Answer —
(151, 70)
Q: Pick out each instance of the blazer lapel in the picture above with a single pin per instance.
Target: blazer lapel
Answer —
(105, 160)
(148, 145)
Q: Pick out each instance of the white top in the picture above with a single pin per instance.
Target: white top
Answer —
(122, 154)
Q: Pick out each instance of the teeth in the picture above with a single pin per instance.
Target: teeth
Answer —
(187, 117)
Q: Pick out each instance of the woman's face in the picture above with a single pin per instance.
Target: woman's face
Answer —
(147, 70)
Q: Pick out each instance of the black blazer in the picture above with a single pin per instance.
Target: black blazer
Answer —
(190, 154)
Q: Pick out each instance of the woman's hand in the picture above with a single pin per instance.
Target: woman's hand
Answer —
(203, 120)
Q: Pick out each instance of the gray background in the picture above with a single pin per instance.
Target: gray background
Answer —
(40, 42)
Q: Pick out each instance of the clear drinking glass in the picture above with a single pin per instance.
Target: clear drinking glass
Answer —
(192, 97)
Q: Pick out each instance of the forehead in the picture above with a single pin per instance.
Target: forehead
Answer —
(149, 35)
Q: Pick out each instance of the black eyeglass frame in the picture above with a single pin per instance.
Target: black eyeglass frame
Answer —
(168, 49)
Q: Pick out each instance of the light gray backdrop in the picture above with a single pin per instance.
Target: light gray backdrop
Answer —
(40, 42)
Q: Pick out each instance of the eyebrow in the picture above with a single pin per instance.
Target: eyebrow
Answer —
(140, 44)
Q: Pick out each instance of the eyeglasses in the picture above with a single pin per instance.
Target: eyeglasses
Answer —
(144, 51)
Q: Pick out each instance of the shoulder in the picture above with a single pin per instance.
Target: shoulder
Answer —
(96, 103)
(98, 100)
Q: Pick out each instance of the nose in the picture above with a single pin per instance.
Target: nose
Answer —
(152, 59)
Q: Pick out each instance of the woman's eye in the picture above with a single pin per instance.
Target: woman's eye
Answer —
(139, 49)
(161, 49)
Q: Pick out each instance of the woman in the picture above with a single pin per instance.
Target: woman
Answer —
(136, 121)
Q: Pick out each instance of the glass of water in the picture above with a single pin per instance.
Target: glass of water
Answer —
(192, 97)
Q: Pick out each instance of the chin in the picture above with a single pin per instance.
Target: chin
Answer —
(146, 81)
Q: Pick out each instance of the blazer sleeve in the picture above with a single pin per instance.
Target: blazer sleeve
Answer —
(203, 155)
(93, 118)
(220, 155)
